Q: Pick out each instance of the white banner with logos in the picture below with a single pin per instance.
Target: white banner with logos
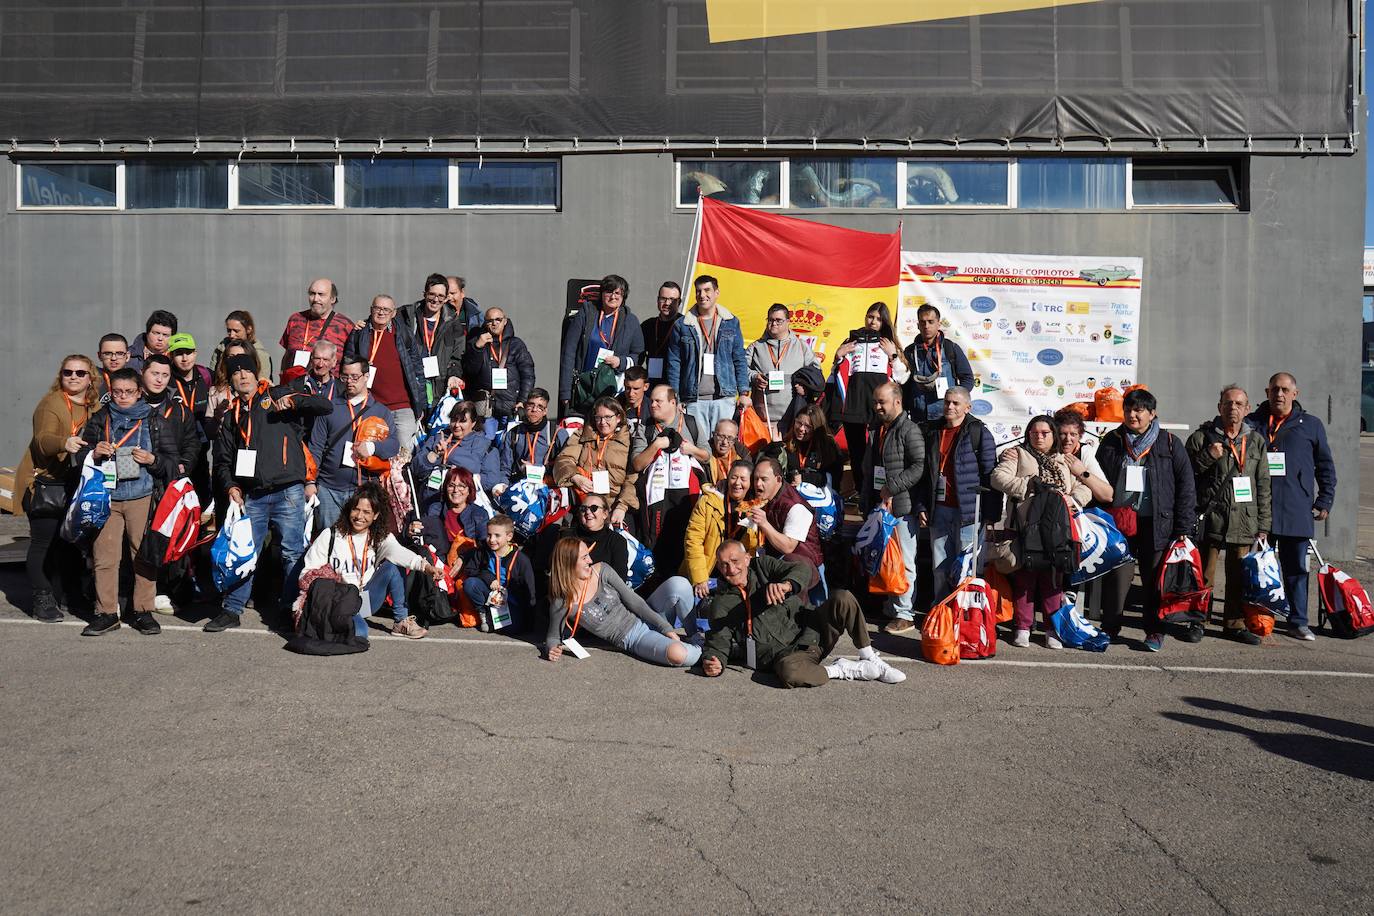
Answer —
(1040, 331)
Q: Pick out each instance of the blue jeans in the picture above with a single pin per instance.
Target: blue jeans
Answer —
(708, 412)
(284, 510)
(1293, 561)
(331, 504)
(676, 601)
(387, 580)
(950, 546)
(907, 533)
(651, 646)
(477, 591)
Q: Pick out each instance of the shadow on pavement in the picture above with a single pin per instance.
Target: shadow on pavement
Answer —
(1347, 755)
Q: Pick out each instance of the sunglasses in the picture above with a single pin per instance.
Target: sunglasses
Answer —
(590, 510)
(74, 373)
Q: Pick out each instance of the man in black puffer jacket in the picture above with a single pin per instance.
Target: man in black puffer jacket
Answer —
(498, 362)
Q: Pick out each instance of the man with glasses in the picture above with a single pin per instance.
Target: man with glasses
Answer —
(440, 338)
(527, 447)
(706, 361)
(608, 335)
(332, 442)
(317, 321)
(658, 329)
(724, 452)
(668, 461)
(499, 363)
(113, 352)
(773, 358)
(395, 370)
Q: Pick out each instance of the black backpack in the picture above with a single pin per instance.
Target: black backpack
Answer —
(1048, 536)
(326, 625)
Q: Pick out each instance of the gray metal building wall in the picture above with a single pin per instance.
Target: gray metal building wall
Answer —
(1227, 296)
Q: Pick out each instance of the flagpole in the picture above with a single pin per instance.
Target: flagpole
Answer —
(692, 256)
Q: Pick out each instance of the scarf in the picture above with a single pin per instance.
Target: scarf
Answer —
(1049, 471)
(1137, 446)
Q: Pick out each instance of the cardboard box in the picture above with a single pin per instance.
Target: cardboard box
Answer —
(8, 502)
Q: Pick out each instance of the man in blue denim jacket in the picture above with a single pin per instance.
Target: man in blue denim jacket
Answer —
(707, 365)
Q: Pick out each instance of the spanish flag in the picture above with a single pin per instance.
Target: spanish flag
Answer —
(828, 276)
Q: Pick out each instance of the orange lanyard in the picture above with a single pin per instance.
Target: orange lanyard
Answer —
(882, 437)
(109, 437)
(496, 561)
(71, 415)
(600, 332)
(732, 518)
(377, 337)
(498, 357)
(189, 401)
(531, 443)
(354, 554)
(748, 613)
(779, 356)
(711, 337)
(939, 353)
(1239, 456)
(429, 333)
(722, 467)
(324, 323)
(581, 602)
(1275, 427)
(246, 436)
(450, 450)
(601, 455)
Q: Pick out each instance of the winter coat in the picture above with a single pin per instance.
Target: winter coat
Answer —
(450, 341)
(954, 368)
(975, 457)
(107, 425)
(515, 356)
(412, 366)
(336, 432)
(1309, 481)
(578, 456)
(1168, 479)
(518, 579)
(903, 459)
(175, 435)
(778, 628)
(1225, 521)
(476, 452)
(627, 342)
(686, 347)
(656, 336)
(47, 454)
(705, 533)
(1017, 468)
(795, 354)
(273, 434)
(473, 518)
(523, 444)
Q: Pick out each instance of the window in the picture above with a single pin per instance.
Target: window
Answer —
(507, 183)
(752, 182)
(301, 183)
(409, 183)
(69, 184)
(869, 181)
(956, 183)
(1159, 184)
(1071, 184)
(154, 184)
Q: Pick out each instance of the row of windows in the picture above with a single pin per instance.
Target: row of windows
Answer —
(871, 182)
(218, 184)
(1042, 183)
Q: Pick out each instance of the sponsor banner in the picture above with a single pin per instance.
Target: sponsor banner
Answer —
(1040, 331)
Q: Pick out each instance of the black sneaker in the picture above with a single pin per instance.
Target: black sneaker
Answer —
(45, 608)
(1193, 632)
(144, 623)
(225, 621)
(1242, 635)
(101, 624)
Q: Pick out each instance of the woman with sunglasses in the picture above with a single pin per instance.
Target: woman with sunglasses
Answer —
(596, 461)
(48, 475)
(454, 523)
(587, 597)
(592, 526)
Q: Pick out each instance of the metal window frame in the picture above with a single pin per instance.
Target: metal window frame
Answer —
(1125, 208)
(21, 164)
(1013, 184)
(1230, 168)
(454, 191)
(334, 163)
(784, 180)
(341, 184)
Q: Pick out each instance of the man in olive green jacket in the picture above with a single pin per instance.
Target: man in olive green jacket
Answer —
(758, 619)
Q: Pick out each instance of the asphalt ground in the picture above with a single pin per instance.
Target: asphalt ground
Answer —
(220, 773)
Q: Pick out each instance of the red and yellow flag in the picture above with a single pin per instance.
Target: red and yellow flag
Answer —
(828, 276)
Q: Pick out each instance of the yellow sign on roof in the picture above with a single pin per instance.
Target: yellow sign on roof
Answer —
(736, 20)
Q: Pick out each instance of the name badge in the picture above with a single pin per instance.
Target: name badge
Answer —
(347, 459)
(302, 359)
(1278, 464)
(371, 375)
(534, 473)
(941, 386)
(708, 364)
(751, 655)
(775, 380)
(603, 354)
(436, 478)
(1135, 478)
(498, 379)
(107, 470)
(941, 489)
(575, 648)
(1242, 489)
(879, 477)
(431, 365)
(246, 462)
(655, 367)
(601, 482)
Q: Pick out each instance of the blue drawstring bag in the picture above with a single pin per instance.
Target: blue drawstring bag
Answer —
(825, 504)
(527, 503)
(1264, 591)
(871, 542)
(90, 505)
(1102, 547)
(641, 565)
(1075, 632)
(233, 555)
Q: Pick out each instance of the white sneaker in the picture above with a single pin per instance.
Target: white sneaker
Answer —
(847, 669)
(162, 604)
(1052, 642)
(890, 675)
(1022, 639)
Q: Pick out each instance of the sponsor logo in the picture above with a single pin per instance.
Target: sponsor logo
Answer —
(1127, 327)
(1020, 327)
(1022, 356)
(1121, 308)
(987, 324)
(1117, 339)
(1055, 307)
(1036, 392)
(995, 376)
(1003, 323)
(983, 304)
(1094, 337)
(1035, 327)
(987, 389)
(1049, 380)
(980, 408)
(1016, 429)
(1106, 382)
(1059, 391)
(980, 335)
(1078, 308)
(956, 305)
(1049, 357)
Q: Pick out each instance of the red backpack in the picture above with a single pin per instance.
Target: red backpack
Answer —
(1184, 596)
(974, 605)
(175, 526)
(1344, 602)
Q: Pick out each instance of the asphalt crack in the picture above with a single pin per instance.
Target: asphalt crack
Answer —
(689, 840)
(1178, 862)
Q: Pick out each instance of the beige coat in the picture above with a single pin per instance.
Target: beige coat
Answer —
(1017, 467)
(46, 454)
(581, 452)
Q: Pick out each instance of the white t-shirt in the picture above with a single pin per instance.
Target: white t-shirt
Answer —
(798, 523)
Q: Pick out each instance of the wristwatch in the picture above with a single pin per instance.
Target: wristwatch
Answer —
(1085, 475)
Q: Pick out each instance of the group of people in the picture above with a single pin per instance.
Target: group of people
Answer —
(394, 437)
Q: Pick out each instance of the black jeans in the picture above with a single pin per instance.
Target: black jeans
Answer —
(1117, 583)
(53, 565)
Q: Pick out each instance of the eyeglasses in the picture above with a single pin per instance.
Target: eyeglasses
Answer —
(669, 298)
(457, 485)
(496, 321)
(590, 510)
(435, 297)
(777, 321)
(124, 392)
(722, 438)
(612, 294)
(111, 354)
(606, 417)
(351, 376)
(74, 373)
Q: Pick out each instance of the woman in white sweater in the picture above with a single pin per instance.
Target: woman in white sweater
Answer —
(362, 550)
